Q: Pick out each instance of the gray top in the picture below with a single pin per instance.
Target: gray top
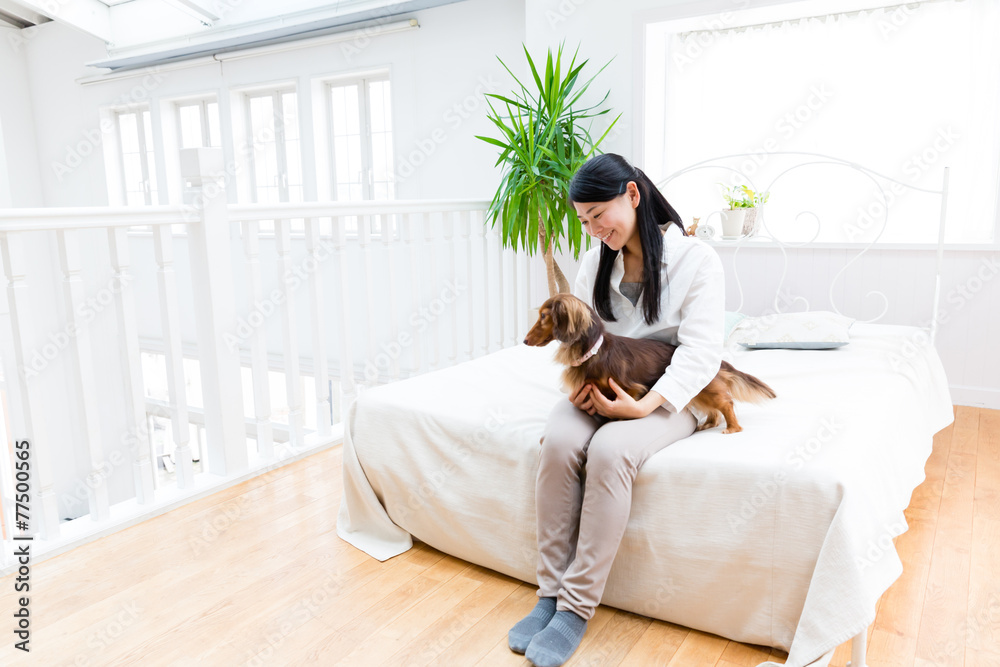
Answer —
(631, 291)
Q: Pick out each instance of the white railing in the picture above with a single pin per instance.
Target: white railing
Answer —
(368, 314)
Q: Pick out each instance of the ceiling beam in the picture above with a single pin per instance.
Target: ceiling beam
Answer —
(89, 16)
(199, 9)
(15, 12)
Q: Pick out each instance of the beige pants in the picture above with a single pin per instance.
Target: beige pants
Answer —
(583, 495)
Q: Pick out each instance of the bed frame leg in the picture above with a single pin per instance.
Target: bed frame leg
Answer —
(859, 647)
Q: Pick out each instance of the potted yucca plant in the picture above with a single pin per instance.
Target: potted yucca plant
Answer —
(543, 143)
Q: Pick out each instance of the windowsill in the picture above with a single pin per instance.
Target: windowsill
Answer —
(754, 243)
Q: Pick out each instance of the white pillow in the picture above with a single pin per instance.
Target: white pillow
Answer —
(819, 330)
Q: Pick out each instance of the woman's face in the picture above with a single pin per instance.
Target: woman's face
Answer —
(612, 222)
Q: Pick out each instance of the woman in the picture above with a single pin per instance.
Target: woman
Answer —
(644, 254)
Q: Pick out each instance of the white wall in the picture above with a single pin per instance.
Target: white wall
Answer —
(20, 183)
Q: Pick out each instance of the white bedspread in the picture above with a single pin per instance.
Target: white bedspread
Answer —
(779, 535)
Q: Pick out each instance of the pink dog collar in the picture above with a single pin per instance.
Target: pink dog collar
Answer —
(592, 352)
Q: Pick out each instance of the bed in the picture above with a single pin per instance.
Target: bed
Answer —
(780, 535)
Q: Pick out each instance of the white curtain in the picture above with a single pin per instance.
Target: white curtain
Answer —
(905, 91)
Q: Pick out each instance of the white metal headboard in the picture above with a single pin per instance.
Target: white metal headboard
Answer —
(717, 163)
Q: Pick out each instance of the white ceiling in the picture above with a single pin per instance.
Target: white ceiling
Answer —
(140, 33)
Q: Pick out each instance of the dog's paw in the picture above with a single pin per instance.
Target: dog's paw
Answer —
(733, 429)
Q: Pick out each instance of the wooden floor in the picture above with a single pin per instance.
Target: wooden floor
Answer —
(256, 575)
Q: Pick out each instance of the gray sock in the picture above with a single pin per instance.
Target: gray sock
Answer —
(520, 635)
(556, 643)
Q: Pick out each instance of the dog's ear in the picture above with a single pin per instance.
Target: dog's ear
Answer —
(569, 319)
(560, 320)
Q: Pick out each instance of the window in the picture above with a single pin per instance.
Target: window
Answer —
(199, 124)
(903, 90)
(138, 164)
(275, 160)
(361, 132)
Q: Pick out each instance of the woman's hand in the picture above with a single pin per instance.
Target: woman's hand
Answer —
(590, 399)
(581, 398)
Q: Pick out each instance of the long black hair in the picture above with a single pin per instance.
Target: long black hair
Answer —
(601, 179)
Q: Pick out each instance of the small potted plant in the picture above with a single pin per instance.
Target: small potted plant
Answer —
(740, 219)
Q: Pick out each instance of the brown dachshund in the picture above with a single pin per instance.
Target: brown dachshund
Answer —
(592, 355)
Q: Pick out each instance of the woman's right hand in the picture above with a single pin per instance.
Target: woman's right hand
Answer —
(582, 400)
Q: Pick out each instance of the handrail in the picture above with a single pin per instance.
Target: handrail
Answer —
(103, 217)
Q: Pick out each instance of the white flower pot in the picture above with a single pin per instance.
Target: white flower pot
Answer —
(732, 223)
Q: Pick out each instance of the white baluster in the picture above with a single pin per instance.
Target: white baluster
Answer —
(348, 390)
(468, 219)
(163, 249)
(259, 370)
(449, 236)
(429, 240)
(515, 284)
(364, 239)
(30, 424)
(131, 360)
(410, 229)
(501, 288)
(527, 296)
(317, 253)
(526, 320)
(484, 237)
(387, 239)
(293, 378)
(84, 378)
(209, 240)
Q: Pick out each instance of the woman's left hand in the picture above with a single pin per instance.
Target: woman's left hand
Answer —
(623, 407)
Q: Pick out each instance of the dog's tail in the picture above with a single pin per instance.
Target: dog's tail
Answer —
(745, 387)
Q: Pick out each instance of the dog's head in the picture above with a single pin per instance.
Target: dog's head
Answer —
(564, 318)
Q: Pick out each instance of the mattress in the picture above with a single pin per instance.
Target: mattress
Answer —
(780, 535)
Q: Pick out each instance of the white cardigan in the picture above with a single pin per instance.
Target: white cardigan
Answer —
(692, 312)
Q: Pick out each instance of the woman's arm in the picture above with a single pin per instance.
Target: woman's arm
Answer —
(698, 356)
